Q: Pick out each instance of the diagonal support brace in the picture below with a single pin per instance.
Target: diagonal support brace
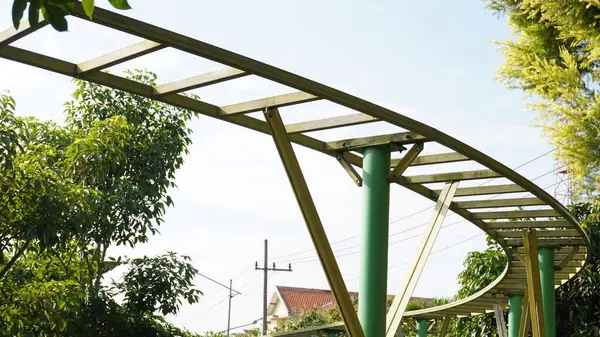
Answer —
(405, 161)
(349, 169)
(444, 327)
(568, 258)
(313, 222)
(525, 321)
(500, 322)
(534, 290)
(396, 312)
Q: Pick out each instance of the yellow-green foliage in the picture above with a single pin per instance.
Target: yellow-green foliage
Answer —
(555, 58)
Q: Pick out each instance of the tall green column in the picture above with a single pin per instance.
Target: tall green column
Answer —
(422, 328)
(514, 315)
(374, 246)
(546, 259)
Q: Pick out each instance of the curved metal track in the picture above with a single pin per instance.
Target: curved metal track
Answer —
(555, 226)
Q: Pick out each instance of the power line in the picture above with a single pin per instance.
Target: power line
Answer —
(419, 211)
(313, 259)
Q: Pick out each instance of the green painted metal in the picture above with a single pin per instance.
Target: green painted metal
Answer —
(422, 328)
(514, 315)
(374, 247)
(546, 258)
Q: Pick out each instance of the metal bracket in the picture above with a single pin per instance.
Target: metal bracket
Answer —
(349, 169)
(405, 162)
(395, 141)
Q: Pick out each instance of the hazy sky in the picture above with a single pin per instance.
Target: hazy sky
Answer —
(434, 61)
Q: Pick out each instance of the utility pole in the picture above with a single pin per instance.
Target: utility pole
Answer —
(266, 270)
(229, 309)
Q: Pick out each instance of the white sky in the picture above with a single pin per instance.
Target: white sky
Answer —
(433, 61)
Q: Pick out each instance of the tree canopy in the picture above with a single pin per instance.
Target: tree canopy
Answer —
(70, 192)
(555, 58)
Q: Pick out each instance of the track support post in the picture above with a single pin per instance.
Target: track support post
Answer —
(313, 222)
(422, 328)
(514, 315)
(374, 240)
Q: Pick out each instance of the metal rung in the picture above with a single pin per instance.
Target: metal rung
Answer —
(498, 203)
(541, 234)
(452, 176)
(329, 123)
(485, 190)
(431, 159)
(527, 224)
(515, 214)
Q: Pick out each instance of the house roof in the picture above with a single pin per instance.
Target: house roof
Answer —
(298, 300)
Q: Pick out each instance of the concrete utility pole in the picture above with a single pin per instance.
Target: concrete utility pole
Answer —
(266, 270)
(229, 309)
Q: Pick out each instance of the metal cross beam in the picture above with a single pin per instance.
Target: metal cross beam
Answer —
(396, 312)
(313, 222)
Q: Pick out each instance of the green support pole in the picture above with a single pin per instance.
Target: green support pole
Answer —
(514, 315)
(374, 246)
(546, 259)
(422, 328)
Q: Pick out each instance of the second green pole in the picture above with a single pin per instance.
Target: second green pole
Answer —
(374, 246)
(422, 328)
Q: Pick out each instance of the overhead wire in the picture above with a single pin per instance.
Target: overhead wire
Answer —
(307, 259)
(282, 257)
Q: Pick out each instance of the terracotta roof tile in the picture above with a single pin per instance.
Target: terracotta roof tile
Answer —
(298, 300)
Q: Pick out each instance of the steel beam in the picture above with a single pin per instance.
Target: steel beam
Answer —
(11, 34)
(486, 190)
(398, 307)
(534, 291)
(443, 177)
(401, 138)
(499, 203)
(200, 81)
(313, 222)
(544, 213)
(269, 102)
(527, 224)
(330, 123)
(123, 55)
(432, 159)
(405, 162)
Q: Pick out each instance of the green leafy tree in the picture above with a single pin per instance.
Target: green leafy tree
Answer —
(55, 11)
(68, 194)
(555, 58)
(158, 284)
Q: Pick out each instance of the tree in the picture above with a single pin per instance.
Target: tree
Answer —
(69, 193)
(555, 57)
(578, 301)
(55, 11)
